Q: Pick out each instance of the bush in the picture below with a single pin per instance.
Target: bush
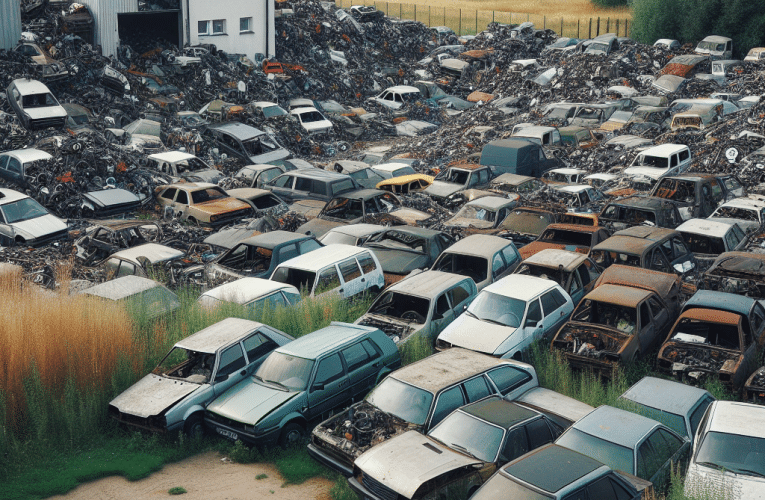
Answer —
(607, 4)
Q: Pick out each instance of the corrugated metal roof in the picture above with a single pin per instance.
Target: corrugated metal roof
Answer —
(10, 23)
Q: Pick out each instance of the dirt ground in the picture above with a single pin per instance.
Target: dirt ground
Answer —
(206, 476)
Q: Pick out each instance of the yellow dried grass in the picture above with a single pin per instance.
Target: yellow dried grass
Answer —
(569, 10)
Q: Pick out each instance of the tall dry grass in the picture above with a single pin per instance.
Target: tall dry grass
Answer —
(55, 346)
(568, 9)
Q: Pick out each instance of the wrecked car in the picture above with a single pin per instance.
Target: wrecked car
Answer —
(449, 182)
(263, 202)
(718, 335)
(319, 374)
(202, 203)
(486, 212)
(140, 295)
(716, 47)
(403, 249)
(406, 184)
(259, 256)
(254, 294)
(16, 165)
(319, 272)
(482, 257)
(410, 398)
(524, 224)
(508, 316)
(257, 176)
(564, 176)
(707, 239)
(311, 184)
(577, 137)
(572, 237)
(362, 172)
(754, 389)
(180, 165)
(748, 212)
(517, 156)
(196, 370)
(393, 170)
(420, 305)
(140, 260)
(624, 317)
(513, 183)
(639, 210)
(351, 234)
(661, 161)
(698, 194)
(105, 237)
(456, 456)
(248, 143)
(574, 272)
(24, 222)
(647, 247)
(45, 67)
(34, 105)
(742, 273)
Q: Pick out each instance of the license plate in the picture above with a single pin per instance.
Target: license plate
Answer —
(228, 434)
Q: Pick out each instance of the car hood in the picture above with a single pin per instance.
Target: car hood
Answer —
(319, 227)
(700, 480)
(467, 222)
(210, 175)
(221, 206)
(537, 246)
(152, 395)
(399, 261)
(270, 157)
(46, 112)
(112, 197)
(248, 402)
(410, 215)
(476, 335)
(317, 126)
(407, 461)
(40, 226)
(443, 189)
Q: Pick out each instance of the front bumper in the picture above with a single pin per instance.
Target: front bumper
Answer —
(327, 460)
(236, 433)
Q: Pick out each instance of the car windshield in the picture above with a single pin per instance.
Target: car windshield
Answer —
(344, 208)
(541, 272)
(622, 318)
(195, 367)
(736, 213)
(192, 120)
(310, 116)
(208, 194)
(38, 101)
(705, 332)
(286, 371)
(495, 308)
(615, 456)
(462, 431)
(700, 243)
(558, 113)
(455, 176)
(465, 265)
(405, 401)
(397, 305)
(732, 452)
(526, 222)
(567, 237)
(260, 145)
(719, 47)
(475, 212)
(652, 161)
(597, 47)
(397, 240)
(271, 111)
(22, 210)
(677, 189)
(78, 118)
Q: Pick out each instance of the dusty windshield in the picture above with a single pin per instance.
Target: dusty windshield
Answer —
(407, 402)
(566, 237)
(402, 306)
(311, 116)
(209, 194)
(734, 453)
(527, 222)
(474, 212)
(455, 176)
(498, 309)
(247, 258)
(465, 432)
(38, 101)
(285, 371)
(22, 210)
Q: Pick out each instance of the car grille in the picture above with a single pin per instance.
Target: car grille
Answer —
(44, 240)
(214, 417)
(378, 488)
(47, 122)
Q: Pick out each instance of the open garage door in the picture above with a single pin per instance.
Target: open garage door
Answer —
(149, 25)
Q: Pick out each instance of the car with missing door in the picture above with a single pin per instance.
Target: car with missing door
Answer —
(482, 257)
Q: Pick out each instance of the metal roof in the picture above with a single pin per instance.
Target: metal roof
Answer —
(27, 86)
(555, 403)
(390, 167)
(723, 301)
(28, 155)
(152, 251)
(706, 227)
(427, 284)
(553, 258)
(219, 335)
(322, 257)
(273, 238)
(626, 296)
(479, 245)
(447, 368)
(646, 232)
(361, 194)
(493, 202)
(521, 286)
(358, 230)
(567, 171)
(123, 287)
(403, 88)
(317, 173)
(499, 411)
(536, 468)
(238, 130)
(615, 425)
(743, 419)
(512, 179)
(171, 156)
(664, 150)
(327, 339)
(665, 395)
(246, 290)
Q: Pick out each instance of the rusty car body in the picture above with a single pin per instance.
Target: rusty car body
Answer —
(742, 273)
(574, 272)
(648, 247)
(572, 237)
(106, 237)
(403, 249)
(637, 210)
(524, 224)
(203, 203)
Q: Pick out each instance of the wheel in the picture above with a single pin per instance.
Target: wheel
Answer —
(291, 434)
(194, 426)
(413, 315)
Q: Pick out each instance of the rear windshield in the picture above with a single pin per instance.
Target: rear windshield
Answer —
(567, 237)
(209, 194)
(395, 305)
(699, 243)
(300, 279)
(405, 401)
(615, 456)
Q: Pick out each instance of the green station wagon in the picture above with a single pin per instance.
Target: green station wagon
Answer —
(302, 383)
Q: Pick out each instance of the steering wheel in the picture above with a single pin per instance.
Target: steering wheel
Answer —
(413, 316)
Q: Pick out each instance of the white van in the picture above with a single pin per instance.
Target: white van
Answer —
(334, 269)
(660, 161)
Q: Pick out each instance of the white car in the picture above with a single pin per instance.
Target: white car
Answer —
(312, 120)
(728, 458)
(253, 293)
(34, 104)
(661, 161)
(23, 221)
(397, 96)
(508, 316)
(747, 211)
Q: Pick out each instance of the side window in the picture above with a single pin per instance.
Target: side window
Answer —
(126, 269)
(372, 350)
(442, 306)
(516, 445)
(507, 378)
(4, 161)
(535, 313)
(684, 155)
(497, 265)
(731, 240)
(14, 166)
(458, 294)
(757, 319)
(355, 357)
(448, 401)
(329, 370)
(367, 263)
(717, 194)
(169, 194)
(510, 254)
(655, 305)
(666, 247)
(319, 187)
(539, 433)
(285, 181)
(231, 360)
(328, 280)
(673, 161)
(257, 345)
(476, 388)
(645, 315)
(658, 262)
(287, 252)
(698, 413)
(306, 246)
(275, 300)
(349, 269)
(619, 490)
(370, 207)
(182, 197)
(601, 489)
(576, 281)
(302, 184)
(548, 303)
(678, 245)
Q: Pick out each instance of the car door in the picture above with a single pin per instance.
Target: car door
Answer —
(364, 361)
(556, 311)
(181, 202)
(329, 388)
(352, 278)
(282, 187)
(460, 296)
(657, 453)
(442, 316)
(327, 281)
(660, 314)
(533, 326)
(446, 402)
(647, 333)
(11, 169)
(230, 368)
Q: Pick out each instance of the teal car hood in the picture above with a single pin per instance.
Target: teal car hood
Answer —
(249, 402)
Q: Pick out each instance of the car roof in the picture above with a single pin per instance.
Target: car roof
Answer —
(514, 143)
(404, 88)
(9, 196)
(554, 403)
(651, 202)
(499, 411)
(152, 251)
(707, 227)
(744, 202)
(273, 238)
(724, 301)
(446, 368)
(171, 156)
(322, 257)
(554, 257)
(26, 86)
(491, 202)
(219, 335)
(28, 155)
(732, 417)
(317, 173)
(664, 149)
(626, 296)
(480, 245)
(362, 194)
(535, 467)
(245, 290)
(568, 171)
(321, 341)
(572, 188)
(358, 229)
(238, 130)
(192, 186)
(390, 167)
(427, 284)
(513, 179)
(615, 425)
(666, 395)
(716, 39)
(121, 288)
(521, 286)
(532, 130)
(646, 232)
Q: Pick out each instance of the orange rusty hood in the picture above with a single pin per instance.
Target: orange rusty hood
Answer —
(221, 206)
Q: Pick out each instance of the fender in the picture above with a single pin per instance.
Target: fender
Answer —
(191, 410)
(292, 417)
(382, 374)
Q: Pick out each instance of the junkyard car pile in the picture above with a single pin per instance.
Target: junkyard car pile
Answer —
(600, 198)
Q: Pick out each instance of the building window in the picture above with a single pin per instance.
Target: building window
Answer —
(219, 26)
(245, 25)
(203, 27)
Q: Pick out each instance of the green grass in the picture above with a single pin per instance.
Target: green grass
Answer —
(178, 490)
(261, 476)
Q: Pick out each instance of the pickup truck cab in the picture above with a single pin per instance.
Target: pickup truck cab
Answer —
(716, 47)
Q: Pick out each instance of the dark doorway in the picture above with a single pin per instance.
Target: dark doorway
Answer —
(150, 25)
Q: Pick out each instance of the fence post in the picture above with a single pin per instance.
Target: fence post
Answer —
(527, 18)
(589, 33)
(386, 8)
(492, 16)
(577, 28)
(626, 30)
(476, 22)
(597, 31)
(429, 16)
(608, 24)
(617, 27)
(561, 26)
(460, 31)
(544, 22)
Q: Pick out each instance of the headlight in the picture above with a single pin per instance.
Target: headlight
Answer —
(213, 218)
(442, 344)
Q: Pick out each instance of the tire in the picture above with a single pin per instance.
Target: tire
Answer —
(194, 426)
(292, 434)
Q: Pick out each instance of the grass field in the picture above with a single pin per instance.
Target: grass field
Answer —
(466, 17)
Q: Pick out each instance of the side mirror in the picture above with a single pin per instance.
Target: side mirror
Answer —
(437, 316)
(222, 378)
(318, 386)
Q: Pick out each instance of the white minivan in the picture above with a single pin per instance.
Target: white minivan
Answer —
(344, 270)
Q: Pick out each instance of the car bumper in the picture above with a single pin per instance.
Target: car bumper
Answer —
(325, 459)
(363, 491)
(234, 434)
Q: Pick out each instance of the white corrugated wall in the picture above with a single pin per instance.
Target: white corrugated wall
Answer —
(105, 16)
(10, 23)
